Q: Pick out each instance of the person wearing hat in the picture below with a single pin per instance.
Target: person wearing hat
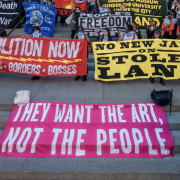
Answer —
(37, 34)
(157, 35)
(75, 16)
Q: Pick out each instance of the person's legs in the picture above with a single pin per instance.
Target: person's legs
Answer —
(73, 32)
(162, 82)
(151, 80)
(164, 36)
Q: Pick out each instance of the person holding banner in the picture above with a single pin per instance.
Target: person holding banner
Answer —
(74, 20)
(81, 35)
(106, 36)
(103, 8)
(157, 35)
(129, 34)
(151, 29)
(167, 27)
(37, 34)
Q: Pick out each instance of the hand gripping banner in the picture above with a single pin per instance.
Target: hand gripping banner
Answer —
(123, 60)
(43, 56)
(72, 130)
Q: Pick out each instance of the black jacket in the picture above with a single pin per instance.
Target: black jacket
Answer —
(150, 34)
(138, 33)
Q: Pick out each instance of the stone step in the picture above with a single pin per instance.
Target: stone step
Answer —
(22, 168)
(66, 89)
(59, 33)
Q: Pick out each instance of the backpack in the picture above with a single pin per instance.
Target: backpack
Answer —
(163, 97)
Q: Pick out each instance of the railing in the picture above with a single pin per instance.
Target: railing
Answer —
(12, 22)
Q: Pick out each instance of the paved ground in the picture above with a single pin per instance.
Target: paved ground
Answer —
(66, 89)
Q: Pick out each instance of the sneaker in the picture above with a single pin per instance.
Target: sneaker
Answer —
(77, 78)
(151, 80)
(84, 78)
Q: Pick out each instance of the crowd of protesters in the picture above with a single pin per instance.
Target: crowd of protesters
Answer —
(170, 28)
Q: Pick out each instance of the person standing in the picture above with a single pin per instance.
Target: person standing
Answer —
(129, 34)
(81, 35)
(37, 34)
(151, 28)
(167, 27)
(106, 36)
(103, 8)
(122, 8)
(136, 30)
(157, 35)
(74, 23)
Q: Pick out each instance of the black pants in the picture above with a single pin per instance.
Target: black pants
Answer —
(73, 32)
(167, 36)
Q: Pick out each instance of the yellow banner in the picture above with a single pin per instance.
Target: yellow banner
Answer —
(123, 60)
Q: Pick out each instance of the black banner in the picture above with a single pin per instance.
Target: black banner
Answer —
(143, 10)
(94, 24)
(8, 11)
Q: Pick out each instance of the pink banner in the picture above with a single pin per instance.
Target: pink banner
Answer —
(43, 129)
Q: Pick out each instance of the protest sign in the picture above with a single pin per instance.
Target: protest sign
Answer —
(43, 57)
(73, 130)
(135, 59)
(94, 24)
(40, 15)
(63, 12)
(8, 11)
(143, 10)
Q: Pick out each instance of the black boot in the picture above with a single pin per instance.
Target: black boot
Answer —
(162, 82)
(151, 80)
(84, 78)
(77, 78)
(33, 78)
